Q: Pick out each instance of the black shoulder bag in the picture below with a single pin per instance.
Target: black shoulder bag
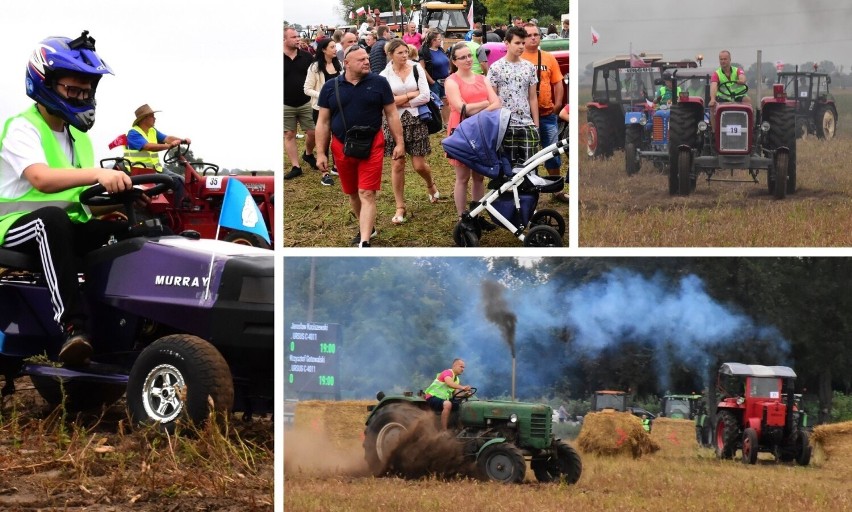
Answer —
(359, 139)
(434, 123)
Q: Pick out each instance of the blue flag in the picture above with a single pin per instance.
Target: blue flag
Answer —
(239, 211)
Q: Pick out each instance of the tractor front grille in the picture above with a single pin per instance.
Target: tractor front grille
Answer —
(733, 135)
(540, 426)
(659, 135)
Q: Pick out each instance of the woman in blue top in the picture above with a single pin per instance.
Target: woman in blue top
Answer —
(436, 63)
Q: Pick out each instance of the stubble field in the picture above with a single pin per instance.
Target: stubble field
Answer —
(324, 471)
(616, 210)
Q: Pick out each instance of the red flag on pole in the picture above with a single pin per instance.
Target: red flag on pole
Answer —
(595, 35)
(636, 62)
(121, 140)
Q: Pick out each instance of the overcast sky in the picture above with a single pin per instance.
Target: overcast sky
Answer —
(212, 66)
(792, 31)
(314, 12)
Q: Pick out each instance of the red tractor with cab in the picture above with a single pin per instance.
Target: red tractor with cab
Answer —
(758, 413)
(204, 191)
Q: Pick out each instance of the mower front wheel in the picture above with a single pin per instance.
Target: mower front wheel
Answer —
(502, 463)
(179, 377)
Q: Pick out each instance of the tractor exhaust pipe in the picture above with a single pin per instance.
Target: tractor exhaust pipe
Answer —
(788, 416)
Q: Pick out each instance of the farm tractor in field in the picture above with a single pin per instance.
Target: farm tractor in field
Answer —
(622, 113)
(204, 190)
(181, 326)
(738, 136)
(689, 407)
(497, 435)
(758, 413)
(816, 111)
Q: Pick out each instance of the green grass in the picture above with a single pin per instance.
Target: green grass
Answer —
(320, 216)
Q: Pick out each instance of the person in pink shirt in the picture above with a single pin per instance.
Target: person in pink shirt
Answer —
(413, 37)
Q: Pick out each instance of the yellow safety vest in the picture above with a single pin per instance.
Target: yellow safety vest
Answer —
(736, 89)
(439, 388)
(150, 159)
(13, 208)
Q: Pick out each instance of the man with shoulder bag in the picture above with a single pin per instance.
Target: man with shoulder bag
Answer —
(350, 121)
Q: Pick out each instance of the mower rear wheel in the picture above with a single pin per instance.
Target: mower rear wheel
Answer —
(542, 236)
(749, 446)
(547, 217)
(565, 466)
(502, 463)
(803, 448)
(727, 433)
(179, 377)
(246, 238)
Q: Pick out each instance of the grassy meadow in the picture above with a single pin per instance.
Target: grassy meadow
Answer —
(320, 216)
(324, 474)
(620, 211)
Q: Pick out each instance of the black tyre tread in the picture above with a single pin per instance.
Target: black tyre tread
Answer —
(782, 132)
(803, 448)
(208, 367)
(728, 422)
(605, 133)
(820, 116)
(632, 141)
(519, 465)
(403, 414)
(246, 238)
(684, 170)
(750, 446)
(566, 467)
(683, 130)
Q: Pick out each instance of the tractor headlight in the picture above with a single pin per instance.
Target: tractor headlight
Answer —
(764, 126)
(702, 126)
(513, 420)
(740, 400)
(643, 120)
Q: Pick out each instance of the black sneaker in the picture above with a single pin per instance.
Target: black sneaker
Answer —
(356, 242)
(295, 172)
(76, 350)
(334, 172)
(310, 160)
(364, 244)
(485, 224)
(327, 180)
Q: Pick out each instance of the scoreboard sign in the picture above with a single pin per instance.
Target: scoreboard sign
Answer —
(311, 359)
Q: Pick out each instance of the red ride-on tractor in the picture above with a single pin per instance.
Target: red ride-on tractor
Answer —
(202, 199)
(738, 136)
(753, 415)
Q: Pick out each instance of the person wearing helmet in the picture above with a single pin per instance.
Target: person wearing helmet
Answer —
(46, 161)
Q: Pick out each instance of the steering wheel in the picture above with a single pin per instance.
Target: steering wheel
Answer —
(727, 88)
(96, 195)
(173, 155)
(119, 164)
(462, 395)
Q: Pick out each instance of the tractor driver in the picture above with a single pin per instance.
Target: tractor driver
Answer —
(725, 74)
(439, 394)
(46, 161)
(144, 142)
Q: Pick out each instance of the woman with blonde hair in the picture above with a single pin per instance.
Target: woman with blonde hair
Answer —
(408, 93)
(325, 67)
(467, 94)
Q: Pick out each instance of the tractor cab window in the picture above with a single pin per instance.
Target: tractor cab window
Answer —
(821, 87)
(606, 86)
(637, 84)
(765, 387)
(676, 407)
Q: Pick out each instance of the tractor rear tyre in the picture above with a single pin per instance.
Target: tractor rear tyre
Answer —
(683, 131)
(727, 433)
(599, 140)
(803, 448)
(826, 123)
(685, 182)
(565, 466)
(633, 138)
(384, 432)
(502, 463)
(750, 446)
(782, 133)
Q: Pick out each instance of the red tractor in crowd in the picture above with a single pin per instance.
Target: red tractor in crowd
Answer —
(201, 204)
(758, 413)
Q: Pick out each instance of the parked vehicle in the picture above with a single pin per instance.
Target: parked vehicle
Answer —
(816, 110)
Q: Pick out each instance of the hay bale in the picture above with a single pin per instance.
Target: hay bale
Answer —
(615, 433)
(833, 444)
(675, 436)
(342, 423)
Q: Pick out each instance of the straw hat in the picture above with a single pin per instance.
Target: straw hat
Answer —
(143, 111)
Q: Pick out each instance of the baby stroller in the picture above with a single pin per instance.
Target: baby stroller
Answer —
(512, 196)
